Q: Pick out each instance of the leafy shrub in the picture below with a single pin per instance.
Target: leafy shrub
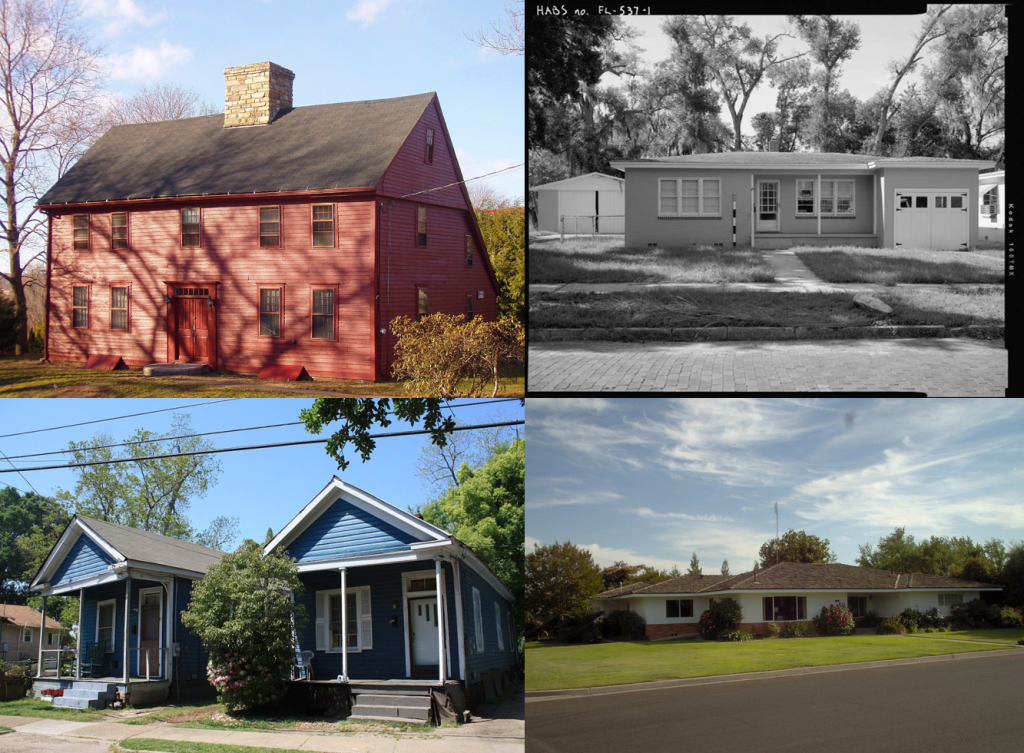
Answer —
(579, 626)
(773, 630)
(931, 618)
(910, 618)
(1020, 641)
(736, 635)
(891, 626)
(835, 619)
(1010, 617)
(534, 629)
(8, 323)
(19, 677)
(801, 629)
(975, 614)
(722, 616)
(36, 336)
(623, 624)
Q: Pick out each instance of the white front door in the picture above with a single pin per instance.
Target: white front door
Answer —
(767, 205)
(423, 623)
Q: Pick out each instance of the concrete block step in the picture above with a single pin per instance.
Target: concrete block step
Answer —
(388, 712)
(362, 718)
(108, 687)
(80, 703)
(381, 699)
(93, 695)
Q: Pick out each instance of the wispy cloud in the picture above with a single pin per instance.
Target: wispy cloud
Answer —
(147, 63)
(559, 498)
(531, 542)
(646, 512)
(120, 14)
(368, 11)
(605, 556)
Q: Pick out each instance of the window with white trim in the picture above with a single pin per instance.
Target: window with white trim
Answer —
(689, 197)
(948, 600)
(837, 197)
(51, 639)
(26, 637)
(497, 624)
(990, 202)
(359, 622)
(679, 608)
(478, 621)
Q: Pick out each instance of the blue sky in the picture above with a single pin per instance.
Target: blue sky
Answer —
(263, 488)
(340, 51)
(652, 480)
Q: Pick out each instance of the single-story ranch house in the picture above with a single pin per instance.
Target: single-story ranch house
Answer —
(787, 592)
(784, 199)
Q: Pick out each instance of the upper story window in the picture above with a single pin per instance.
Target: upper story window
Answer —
(81, 230)
(270, 227)
(80, 307)
(421, 226)
(119, 230)
(421, 303)
(430, 145)
(323, 225)
(469, 308)
(190, 227)
(469, 251)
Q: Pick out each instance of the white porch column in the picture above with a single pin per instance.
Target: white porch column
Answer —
(127, 612)
(42, 629)
(456, 566)
(78, 640)
(167, 656)
(344, 624)
(440, 620)
(753, 198)
(817, 199)
(874, 208)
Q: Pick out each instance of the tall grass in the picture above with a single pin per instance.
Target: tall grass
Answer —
(886, 266)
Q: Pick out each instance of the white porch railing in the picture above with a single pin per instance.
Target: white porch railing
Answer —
(55, 661)
(150, 659)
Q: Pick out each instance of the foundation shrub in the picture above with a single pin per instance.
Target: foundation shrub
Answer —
(974, 614)
(721, 617)
(1010, 618)
(910, 618)
(931, 618)
(623, 624)
(835, 619)
(801, 630)
(891, 626)
(579, 626)
(773, 630)
(735, 635)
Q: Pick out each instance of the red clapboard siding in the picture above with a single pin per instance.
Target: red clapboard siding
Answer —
(231, 257)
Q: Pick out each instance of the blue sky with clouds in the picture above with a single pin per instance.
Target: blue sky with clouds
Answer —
(652, 480)
(340, 51)
(263, 488)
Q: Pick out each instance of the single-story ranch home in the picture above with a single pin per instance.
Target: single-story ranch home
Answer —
(787, 592)
(784, 199)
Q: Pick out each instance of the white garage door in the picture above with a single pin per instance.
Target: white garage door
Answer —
(932, 219)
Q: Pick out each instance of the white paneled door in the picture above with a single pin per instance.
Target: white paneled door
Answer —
(767, 205)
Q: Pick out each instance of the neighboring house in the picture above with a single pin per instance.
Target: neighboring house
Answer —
(992, 206)
(790, 591)
(20, 630)
(270, 235)
(788, 199)
(593, 203)
(387, 635)
(131, 583)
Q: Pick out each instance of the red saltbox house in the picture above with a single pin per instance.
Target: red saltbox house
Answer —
(269, 235)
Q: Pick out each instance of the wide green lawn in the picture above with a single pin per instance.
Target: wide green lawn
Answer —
(549, 667)
(996, 635)
(46, 710)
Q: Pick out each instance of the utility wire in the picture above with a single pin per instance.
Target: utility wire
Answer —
(470, 180)
(116, 418)
(14, 487)
(22, 476)
(215, 451)
(223, 431)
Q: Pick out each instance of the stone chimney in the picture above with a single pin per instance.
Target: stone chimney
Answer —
(773, 145)
(255, 94)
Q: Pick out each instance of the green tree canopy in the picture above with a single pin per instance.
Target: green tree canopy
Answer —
(956, 556)
(559, 578)
(29, 526)
(694, 568)
(1012, 575)
(796, 546)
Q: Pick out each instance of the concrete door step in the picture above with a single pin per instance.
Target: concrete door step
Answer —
(360, 717)
(80, 703)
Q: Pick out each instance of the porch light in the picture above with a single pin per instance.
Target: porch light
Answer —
(167, 298)
(209, 301)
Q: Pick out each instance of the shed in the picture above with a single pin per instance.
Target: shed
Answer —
(594, 199)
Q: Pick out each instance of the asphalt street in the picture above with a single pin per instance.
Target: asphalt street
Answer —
(963, 706)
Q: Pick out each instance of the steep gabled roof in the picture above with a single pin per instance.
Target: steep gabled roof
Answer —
(154, 548)
(345, 145)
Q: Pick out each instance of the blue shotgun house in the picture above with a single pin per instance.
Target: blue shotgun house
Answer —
(423, 618)
(130, 583)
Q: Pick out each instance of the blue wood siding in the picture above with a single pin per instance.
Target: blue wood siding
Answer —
(93, 596)
(386, 660)
(85, 558)
(490, 658)
(344, 530)
(193, 658)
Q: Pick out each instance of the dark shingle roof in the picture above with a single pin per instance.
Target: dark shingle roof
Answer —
(622, 590)
(686, 584)
(346, 145)
(146, 546)
(787, 158)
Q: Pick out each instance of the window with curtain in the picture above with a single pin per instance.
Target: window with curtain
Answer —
(323, 314)
(190, 227)
(805, 197)
(119, 230)
(270, 312)
(119, 308)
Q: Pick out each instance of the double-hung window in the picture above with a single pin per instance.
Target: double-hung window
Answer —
(26, 637)
(990, 203)
(323, 225)
(689, 197)
(356, 629)
(119, 308)
(105, 625)
(837, 197)
(270, 312)
(270, 227)
(352, 623)
(80, 307)
(430, 145)
(948, 600)
(323, 314)
(119, 230)
(81, 231)
(190, 227)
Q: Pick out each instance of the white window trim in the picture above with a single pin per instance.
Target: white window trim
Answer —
(835, 195)
(700, 198)
(326, 596)
(952, 596)
(497, 624)
(478, 620)
(113, 623)
(31, 635)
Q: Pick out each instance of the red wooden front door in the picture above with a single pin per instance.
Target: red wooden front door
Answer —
(193, 319)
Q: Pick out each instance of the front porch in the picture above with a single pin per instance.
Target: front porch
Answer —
(98, 692)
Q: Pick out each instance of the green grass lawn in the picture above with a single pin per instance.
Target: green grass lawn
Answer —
(643, 661)
(24, 377)
(996, 635)
(607, 260)
(181, 746)
(46, 710)
(886, 266)
(953, 306)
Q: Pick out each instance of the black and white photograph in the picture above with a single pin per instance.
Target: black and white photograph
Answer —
(768, 203)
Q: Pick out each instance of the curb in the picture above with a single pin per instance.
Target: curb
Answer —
(706, 334)
(552, 695)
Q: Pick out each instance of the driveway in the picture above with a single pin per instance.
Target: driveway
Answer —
(939, 707)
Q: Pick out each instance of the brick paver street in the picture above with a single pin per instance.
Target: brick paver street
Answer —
(947, 367)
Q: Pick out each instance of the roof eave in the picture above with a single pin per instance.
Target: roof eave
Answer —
(193, 198)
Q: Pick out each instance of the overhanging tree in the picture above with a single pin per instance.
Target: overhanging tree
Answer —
(559, 579)
(796, 546)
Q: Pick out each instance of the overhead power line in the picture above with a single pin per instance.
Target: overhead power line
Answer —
(20, 474)
(469, 180)
(116, 418)
(222, 431)
(215, 451)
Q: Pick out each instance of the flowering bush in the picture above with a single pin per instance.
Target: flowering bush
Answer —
(53, 692)
(890, 626)
(835, 619)
(708, 628)
(722, 616)
(246, 681)
(1010, 617)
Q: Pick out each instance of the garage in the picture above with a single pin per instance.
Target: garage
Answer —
(592, 203)
(933, 219)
